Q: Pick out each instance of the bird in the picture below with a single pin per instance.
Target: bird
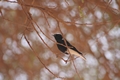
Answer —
(65, 47)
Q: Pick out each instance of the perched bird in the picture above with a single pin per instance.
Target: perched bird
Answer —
(65, 47)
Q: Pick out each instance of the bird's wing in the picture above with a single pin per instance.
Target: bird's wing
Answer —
(69, 45)
(74, 51)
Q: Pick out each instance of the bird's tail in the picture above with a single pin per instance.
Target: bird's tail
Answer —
(72, 52)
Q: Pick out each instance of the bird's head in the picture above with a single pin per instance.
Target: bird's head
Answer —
(58, 36)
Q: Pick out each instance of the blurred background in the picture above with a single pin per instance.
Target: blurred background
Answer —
(28, 50)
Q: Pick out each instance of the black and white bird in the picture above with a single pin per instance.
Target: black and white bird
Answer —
(65, 47)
